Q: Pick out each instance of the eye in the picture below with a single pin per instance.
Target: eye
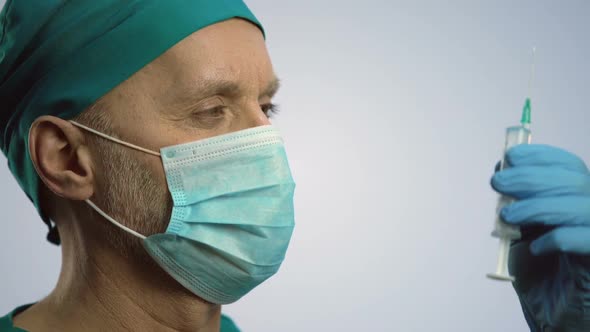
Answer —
(214, 112)
(210, 118)
(270, 109)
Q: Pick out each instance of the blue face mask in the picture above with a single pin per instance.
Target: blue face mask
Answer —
(232, 217)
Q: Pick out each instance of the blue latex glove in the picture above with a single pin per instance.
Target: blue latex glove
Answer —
(551, 262)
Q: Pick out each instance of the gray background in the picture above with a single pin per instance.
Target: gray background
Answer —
(393, 114)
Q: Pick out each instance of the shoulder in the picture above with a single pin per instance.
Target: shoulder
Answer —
(6, 324)
(227, 325)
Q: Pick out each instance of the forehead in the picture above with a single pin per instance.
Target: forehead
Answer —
(233, 50)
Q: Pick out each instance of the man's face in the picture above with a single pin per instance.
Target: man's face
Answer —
(218, 80)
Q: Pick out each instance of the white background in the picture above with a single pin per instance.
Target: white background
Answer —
(393, 113)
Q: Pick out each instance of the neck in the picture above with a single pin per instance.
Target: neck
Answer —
(100, 289)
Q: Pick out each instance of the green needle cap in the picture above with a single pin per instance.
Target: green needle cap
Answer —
(526, 112)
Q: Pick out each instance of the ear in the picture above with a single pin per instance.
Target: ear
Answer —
(61, 158)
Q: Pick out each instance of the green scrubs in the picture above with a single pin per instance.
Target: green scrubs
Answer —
(6, 324)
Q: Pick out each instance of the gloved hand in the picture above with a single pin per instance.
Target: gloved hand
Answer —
(551, 263)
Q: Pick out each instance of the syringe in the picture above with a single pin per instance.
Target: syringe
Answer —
(506, 233)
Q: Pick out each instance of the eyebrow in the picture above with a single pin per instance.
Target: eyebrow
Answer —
(272, 88)
(226, 88)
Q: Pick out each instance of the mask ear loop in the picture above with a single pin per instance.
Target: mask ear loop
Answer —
(116, 140)
(133, 146)
(107, 217)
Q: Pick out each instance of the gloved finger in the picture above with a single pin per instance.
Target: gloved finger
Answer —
(544, 155)
(549, 211)
(572, 239)
(536, 181)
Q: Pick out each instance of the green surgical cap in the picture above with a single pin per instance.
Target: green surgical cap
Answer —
(57, 57)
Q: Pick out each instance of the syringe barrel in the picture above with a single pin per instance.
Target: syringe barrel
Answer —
(514, 135)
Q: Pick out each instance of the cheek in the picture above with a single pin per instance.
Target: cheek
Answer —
(157, 170)
(153, 203)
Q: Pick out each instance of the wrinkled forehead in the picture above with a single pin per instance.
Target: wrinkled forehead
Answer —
(229, 51)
